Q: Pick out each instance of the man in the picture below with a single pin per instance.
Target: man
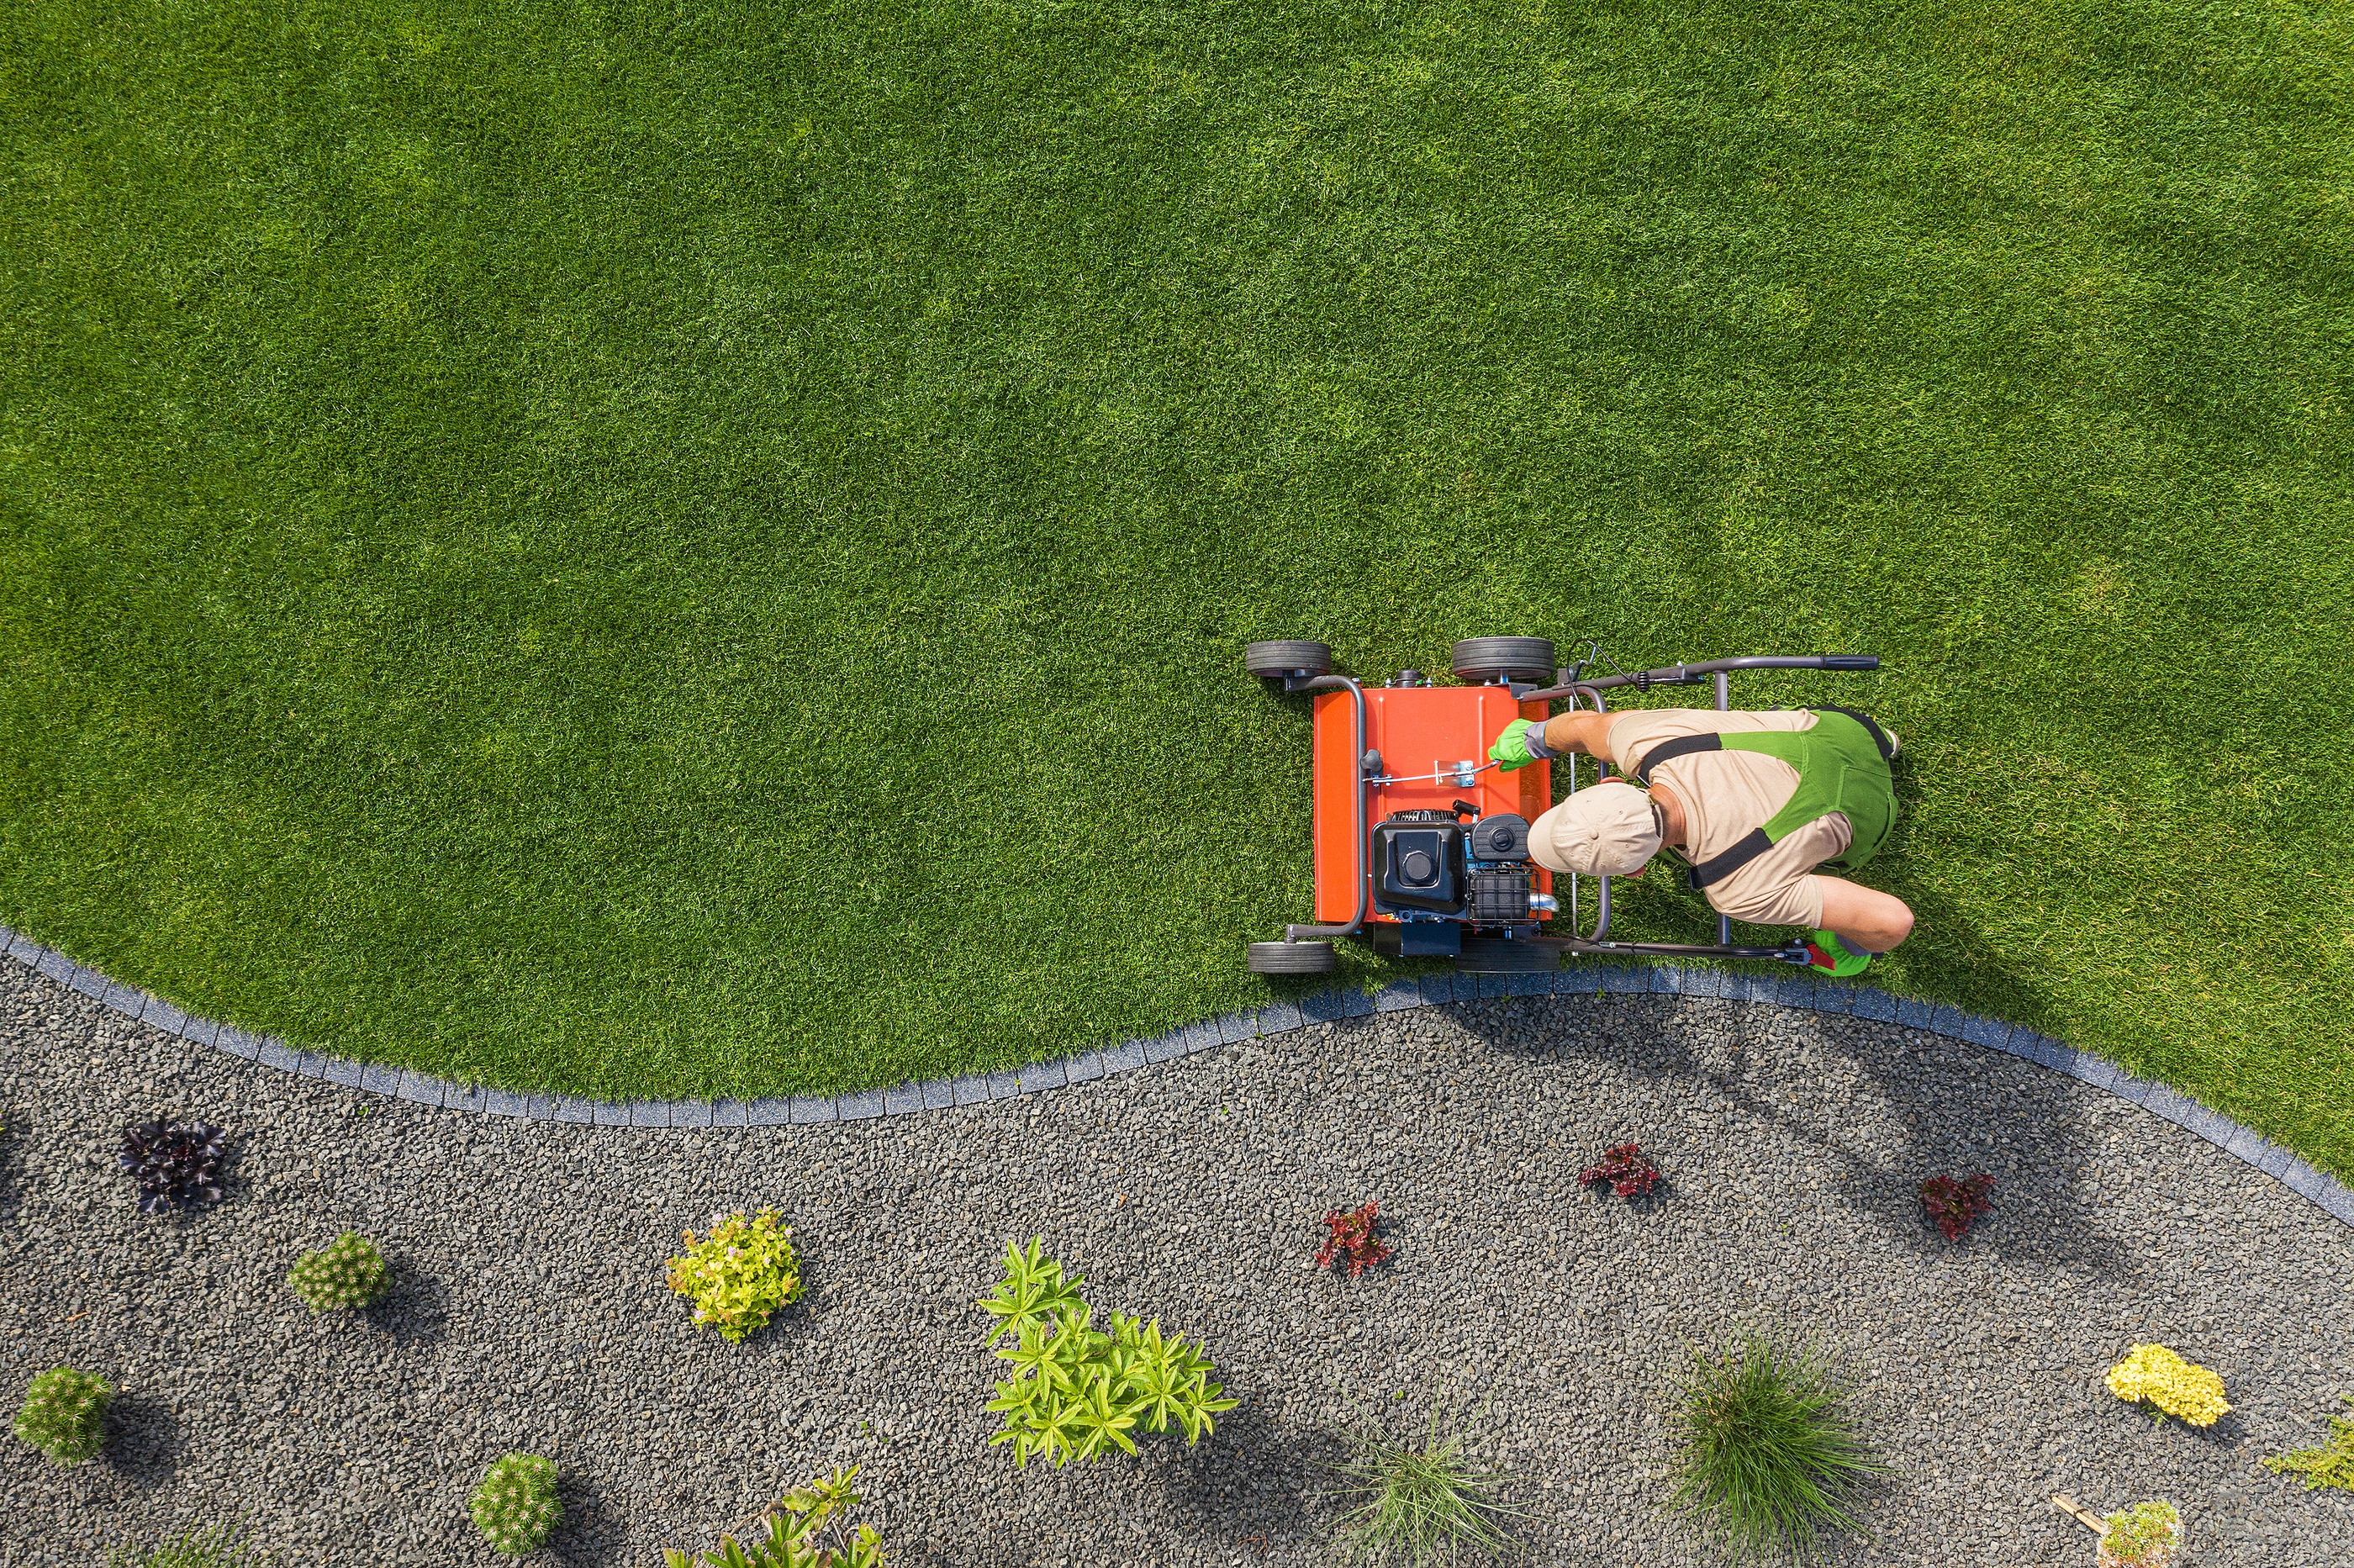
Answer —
(1753, 801)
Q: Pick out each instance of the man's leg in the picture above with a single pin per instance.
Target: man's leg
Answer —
(1865, 921)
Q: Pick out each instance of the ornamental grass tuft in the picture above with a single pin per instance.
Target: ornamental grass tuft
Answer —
(349, 1273)
(739, 1275)
(2158, 1377)
(64, 1414)
(217, 1546)
(516, 1507)
(1420, 1502)
(1772, 1460)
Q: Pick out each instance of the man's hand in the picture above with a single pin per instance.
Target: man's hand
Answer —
(1513, 751)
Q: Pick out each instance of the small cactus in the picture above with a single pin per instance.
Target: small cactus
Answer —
(64, 1414)
(516, 1506)
(349, 1273)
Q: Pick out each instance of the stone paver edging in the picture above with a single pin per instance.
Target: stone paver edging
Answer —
(1802, 992)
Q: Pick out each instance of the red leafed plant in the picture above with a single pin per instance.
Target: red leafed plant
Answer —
(1352, 1239)
(1956, 1206)
(1623, 1166)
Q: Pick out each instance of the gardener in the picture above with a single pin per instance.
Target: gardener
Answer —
(1754, 802)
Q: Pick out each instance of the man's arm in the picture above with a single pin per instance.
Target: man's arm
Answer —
(1871, 920)
(1587, 734)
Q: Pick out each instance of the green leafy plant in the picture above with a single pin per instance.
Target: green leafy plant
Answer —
(740, 1274)
(2141, 1536)
(64, 1414)
(807, 1528)
(1420, 1502)
(516, 1507)
(1771, 1455)
(217, 1546)
(1077, 1393)
(2331, 1465)
(349, 1273)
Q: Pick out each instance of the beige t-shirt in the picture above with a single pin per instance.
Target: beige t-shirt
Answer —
(1727, 796)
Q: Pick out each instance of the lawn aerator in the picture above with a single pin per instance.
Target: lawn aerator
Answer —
(1395, 863)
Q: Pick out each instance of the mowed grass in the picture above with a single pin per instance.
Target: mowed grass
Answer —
(663, 551)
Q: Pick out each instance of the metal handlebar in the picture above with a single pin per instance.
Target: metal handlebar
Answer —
(1693, 674)
(1365, 845)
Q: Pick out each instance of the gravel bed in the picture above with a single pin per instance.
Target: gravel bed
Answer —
(531, 1310)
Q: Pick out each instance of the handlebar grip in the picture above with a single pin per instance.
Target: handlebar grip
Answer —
(1850, 662)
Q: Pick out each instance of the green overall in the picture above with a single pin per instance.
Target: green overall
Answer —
(1843, 766)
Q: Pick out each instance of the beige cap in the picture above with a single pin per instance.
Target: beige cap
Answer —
(1607, 830)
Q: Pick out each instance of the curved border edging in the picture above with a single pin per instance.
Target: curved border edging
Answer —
(1803, 993)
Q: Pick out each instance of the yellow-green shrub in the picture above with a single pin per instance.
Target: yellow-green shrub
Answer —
(2156, 1374)
(739, 1275)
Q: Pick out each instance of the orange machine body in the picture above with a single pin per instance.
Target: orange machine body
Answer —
(1417, 730)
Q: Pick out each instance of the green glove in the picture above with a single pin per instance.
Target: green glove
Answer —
(1827, 952)
(1522, 743)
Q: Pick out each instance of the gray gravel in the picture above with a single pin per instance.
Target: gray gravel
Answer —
(531, 1310)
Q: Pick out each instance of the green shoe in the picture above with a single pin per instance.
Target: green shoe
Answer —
(1826, 950)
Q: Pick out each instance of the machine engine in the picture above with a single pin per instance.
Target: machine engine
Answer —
(1427, 865)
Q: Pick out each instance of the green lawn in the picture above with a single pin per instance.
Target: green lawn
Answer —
(664, 551)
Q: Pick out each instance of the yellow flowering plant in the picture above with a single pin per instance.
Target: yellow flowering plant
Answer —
(740, 1274)
(2155, 1376)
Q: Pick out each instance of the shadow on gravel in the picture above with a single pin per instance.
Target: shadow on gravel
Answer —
(1250, 1488)
(143, 1440)
(1949, 1126)
(590, 1534)
(415, 1310)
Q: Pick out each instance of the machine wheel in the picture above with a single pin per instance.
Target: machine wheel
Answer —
(1489, 659)
(1291, 957)
(1290, 657)
(1493, 956)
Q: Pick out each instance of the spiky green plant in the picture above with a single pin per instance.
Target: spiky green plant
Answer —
(64, 1414)
(1420, 1502)
(1772, 1460)
(216, 1546)
(516, 1507)
(349, 1272)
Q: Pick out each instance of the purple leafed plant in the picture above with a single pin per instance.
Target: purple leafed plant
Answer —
(1956, 1206)
(1623, 1166)
(174, 1163)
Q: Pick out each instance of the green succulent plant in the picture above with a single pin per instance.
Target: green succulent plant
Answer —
(64, 1414)
(807, 1528)
(350, 1272)
(516, 1507)
(1077, 1393)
